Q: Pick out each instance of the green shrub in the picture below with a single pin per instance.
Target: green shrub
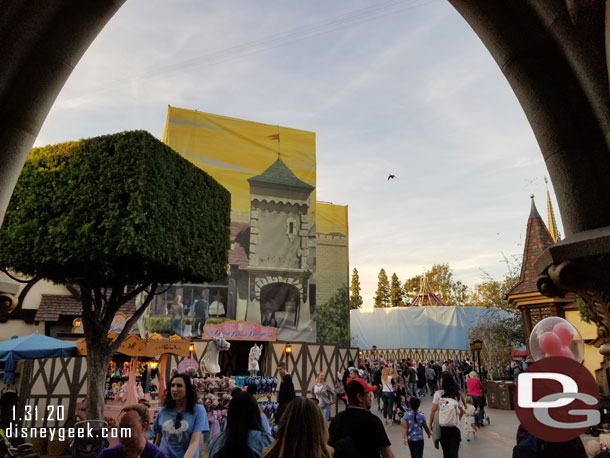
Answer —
(217, 320)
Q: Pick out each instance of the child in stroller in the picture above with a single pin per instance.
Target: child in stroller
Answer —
(402, 407)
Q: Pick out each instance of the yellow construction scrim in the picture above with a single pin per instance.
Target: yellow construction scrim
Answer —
(233, 150)
(331, 218)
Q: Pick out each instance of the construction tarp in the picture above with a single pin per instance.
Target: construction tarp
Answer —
(415, 327)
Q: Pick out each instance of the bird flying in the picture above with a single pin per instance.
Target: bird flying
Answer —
(391, 176)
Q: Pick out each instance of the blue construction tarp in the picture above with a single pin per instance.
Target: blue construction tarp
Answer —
(415, 327)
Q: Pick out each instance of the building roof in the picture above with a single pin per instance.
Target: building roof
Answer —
(240, 245)
(278, 173)
(426, 297)
(52, 306)
(537, 240)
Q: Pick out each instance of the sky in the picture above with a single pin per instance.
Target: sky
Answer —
(397, 86)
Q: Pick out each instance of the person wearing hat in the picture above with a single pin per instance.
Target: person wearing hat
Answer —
(356, 431)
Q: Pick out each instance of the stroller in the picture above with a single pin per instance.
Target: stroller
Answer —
(17, 448)
(484, 404)
(402, 406)
(89, 446)
(9, 451)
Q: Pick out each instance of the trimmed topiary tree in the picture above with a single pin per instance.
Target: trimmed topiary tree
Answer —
(116, 216)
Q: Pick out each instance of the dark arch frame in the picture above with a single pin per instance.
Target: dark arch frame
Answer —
(552, 52)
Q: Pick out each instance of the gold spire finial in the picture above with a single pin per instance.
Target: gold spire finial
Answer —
(531, 196)
(551, 216)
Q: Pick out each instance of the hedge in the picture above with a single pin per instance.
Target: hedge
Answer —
(122, 205)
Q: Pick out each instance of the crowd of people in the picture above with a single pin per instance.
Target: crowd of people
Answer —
(397, 388)
(304, 430)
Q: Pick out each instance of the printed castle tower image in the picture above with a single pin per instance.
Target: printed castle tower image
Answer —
(279, 264)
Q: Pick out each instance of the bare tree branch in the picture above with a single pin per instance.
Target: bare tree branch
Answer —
(134, 318)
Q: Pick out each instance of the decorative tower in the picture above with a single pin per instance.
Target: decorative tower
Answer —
(279, 267)
(524, 295)
(425, 297)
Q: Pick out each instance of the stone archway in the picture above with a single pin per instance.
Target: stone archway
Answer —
(555, 57)
(280, 297)
(41, 41)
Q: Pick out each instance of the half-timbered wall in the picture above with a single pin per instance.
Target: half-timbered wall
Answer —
(418, 355)
(48, 383)
(62, 381)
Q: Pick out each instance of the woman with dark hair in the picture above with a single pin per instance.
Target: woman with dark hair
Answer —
(448, 402)
(180, 423)
(244, 435)
(301, 433)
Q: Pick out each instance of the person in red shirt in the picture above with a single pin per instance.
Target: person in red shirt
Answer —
(475, 390)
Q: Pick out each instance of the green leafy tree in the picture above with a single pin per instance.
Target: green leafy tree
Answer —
(396, 292)
(113, 217)
(501, 329)
(442, 283)
(382, 295)
(333, 319)
(492, 293)
(355, 299)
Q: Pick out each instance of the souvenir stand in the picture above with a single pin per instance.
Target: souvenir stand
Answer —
(122, 384)
(214, 392)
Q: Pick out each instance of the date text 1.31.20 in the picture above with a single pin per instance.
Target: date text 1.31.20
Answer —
(33, 413)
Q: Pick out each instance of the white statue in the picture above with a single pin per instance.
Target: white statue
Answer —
(253, 357)
(209, 360)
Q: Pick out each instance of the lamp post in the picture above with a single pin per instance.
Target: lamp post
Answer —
(475, 347)
(288, 351)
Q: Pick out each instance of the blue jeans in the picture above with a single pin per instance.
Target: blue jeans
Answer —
(388, 402)
(326, 412)
(477, 402)
(177, 326)
(413, 389)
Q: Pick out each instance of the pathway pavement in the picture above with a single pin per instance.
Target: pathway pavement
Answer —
(495, 440)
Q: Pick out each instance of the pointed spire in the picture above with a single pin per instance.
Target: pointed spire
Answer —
(425, 295)
(551, 216)
(537, 240)
(533, 211)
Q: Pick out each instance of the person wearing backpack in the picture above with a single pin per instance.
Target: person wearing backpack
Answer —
(447, 403)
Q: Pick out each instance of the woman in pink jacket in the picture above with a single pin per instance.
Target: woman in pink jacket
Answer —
(475, 390)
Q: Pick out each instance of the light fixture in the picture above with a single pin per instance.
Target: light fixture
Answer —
(288, 349)
(154, 364)
(192, 348)
(476, 344)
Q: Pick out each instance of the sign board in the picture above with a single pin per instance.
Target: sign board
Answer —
(240, 330)
(133, 345)
(118, 323)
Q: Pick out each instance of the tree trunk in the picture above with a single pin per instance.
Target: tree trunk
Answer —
(98, 359)
(99, 355)
(98, 312)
